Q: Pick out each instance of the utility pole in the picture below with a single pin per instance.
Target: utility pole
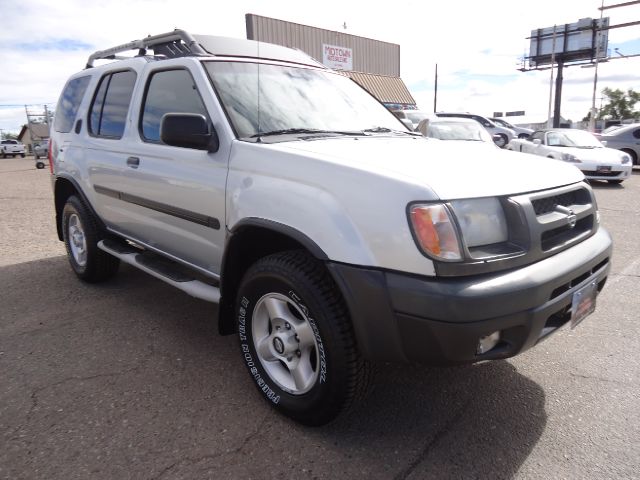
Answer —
(553, 61)
(592, 117)
(435, 92)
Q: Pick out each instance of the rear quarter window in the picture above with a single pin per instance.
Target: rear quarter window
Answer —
(69, 103)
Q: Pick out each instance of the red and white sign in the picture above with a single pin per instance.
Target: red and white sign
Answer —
(338, 58)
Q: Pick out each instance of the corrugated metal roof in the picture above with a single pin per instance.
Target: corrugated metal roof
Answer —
(385, 88)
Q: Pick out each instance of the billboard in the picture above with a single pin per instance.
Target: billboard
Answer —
(338, 58)
(573, 42)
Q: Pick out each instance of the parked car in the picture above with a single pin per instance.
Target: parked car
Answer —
(11, 148)
(411, 118)
(502, 135)
(625, 138)
(455, 130)
(521, 132)
(329, 236)
(581, 149)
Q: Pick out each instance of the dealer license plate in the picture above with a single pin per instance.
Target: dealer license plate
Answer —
(584, 303)
(603, 168)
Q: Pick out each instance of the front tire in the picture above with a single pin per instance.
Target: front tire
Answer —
(297, 340)
(502, 140)
(39, 165)
(81, 236)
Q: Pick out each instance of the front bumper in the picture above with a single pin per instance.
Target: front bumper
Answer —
(432, 320)
(616, 172)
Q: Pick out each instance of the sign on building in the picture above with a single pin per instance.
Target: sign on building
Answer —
(338, 58)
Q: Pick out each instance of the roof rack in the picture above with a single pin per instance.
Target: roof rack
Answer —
(178, 43)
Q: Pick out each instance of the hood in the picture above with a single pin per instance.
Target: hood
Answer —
(458, 170)
(608, 155)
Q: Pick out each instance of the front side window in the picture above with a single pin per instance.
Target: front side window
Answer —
(537, 135)
(108, 113)
(69, 103)
(169, 91)
(260, 98)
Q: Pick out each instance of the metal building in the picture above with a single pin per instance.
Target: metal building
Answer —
(373, 64)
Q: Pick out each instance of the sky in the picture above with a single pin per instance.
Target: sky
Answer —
(478, 46)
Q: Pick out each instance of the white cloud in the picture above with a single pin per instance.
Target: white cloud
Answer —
(476, 44)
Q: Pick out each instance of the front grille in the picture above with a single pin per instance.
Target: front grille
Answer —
(595, 173)
(568, 199)
(562, 235)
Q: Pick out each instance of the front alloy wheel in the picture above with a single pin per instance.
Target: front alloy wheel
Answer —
(297, 340)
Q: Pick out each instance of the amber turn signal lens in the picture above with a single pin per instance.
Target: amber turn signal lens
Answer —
(435, 231)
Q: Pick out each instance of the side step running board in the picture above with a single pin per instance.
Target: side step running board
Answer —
(162, 269)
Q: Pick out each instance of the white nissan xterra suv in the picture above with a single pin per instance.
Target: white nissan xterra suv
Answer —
(251, 176)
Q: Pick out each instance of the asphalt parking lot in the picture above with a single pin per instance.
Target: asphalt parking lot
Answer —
(130, 380)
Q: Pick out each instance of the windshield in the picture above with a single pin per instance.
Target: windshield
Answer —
(572, 138)
(471, 131)
(292, 100)
(502, 122)
(415, 115)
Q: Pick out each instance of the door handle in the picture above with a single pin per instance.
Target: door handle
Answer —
(133, 162)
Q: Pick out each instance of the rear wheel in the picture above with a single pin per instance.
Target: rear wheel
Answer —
(39, 165)
(81, 236)
(501, 140)
(632, 154)
(296, 338)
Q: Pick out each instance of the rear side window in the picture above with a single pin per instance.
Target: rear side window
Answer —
(168, 91)
(108, 112)
(636, 133)
(69, 103)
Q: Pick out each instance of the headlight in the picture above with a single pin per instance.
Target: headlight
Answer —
(481, 220)
(625, 159)
(567, 157)
(435, 232)
(439, 229)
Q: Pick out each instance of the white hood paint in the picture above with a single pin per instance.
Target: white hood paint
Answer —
(451, 171)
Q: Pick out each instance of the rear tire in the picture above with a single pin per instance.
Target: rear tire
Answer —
(297, 340)
(39, 165)
(502, 141)
(632, 154)
(81, 236)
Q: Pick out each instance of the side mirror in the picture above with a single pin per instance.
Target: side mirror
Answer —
(188, 130)
(497, 137)
(603, 142)
(537, 141)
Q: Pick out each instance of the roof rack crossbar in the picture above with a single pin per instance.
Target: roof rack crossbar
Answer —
(190, 46)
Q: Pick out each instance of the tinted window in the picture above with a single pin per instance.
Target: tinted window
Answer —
(170, 91)
(636, 133)
(108, 113)
(538, 135)
(69, 103)
(95, 111)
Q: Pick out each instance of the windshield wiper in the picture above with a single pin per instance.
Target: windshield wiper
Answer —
(295, 131)
(389, 130)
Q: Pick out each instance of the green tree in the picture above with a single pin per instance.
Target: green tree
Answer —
(620, 104)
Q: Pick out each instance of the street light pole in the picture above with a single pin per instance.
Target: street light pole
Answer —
(592, 117)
